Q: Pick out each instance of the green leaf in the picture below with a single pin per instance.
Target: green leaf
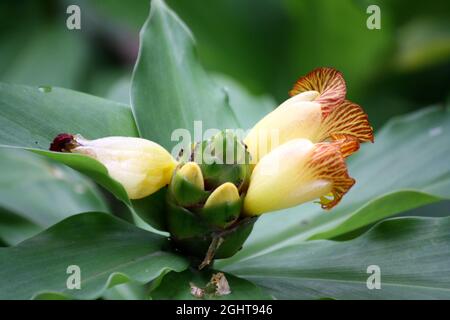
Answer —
(36, 193)
(14, 228)
(405, 168)
(231, 42)
(127, 291)
(378, 209)
(178, 286)
(120, 90)
(91, 168)
(36, 62)
(152, 209)
(248, 108)
(412, 254)
(108, 251)
(170, 89)
(30, 117)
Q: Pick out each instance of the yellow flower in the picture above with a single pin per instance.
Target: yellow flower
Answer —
(316, 111)
(141, 166)
(296, 172)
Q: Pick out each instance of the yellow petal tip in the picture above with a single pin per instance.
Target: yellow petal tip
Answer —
(226, 192)
(192, 173)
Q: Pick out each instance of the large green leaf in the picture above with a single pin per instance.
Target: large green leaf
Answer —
(107, 250)
(91, 168)
(30, 117)
(247, 107)
(127, 291)
(36, 193)
(152, 209)
(14, 228)
(406, 167)
(178, 286)
(412, 254)
(170, 89)
(36, 62)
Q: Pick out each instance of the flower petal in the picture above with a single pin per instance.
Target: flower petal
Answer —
(317, 111)
(141, 166)
(295, 118)
(328, 82)
(347, 120)
(300, 171)
(328, 163)
(349, 144)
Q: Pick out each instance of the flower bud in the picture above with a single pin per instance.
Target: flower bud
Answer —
(296, 172)
(204, 202)
(187, 185)
(223, 158)
(223, 206)
(192, 173)
(226, 193)
(141, 166)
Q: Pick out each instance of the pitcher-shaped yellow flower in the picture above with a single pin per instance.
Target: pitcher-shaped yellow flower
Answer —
(317, 111)
(296, 172)
(141, 166)
(300, 147)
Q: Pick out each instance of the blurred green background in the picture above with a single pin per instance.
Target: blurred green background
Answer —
(263, 44)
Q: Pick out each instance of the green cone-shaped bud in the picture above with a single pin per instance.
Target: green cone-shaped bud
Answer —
(204, 202)
(223, 206)
(223, 158)
(187, 185)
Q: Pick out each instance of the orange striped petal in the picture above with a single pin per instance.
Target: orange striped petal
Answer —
(328, 82)
(345, 121)
(349, 144)
(328, 163)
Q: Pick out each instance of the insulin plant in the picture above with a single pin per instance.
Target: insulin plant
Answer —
(203, 228)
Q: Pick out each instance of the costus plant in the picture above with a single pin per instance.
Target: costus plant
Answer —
(285, 211)
(215, 192)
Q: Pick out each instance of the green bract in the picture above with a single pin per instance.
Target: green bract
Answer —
(223, 158)
(215, 230)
